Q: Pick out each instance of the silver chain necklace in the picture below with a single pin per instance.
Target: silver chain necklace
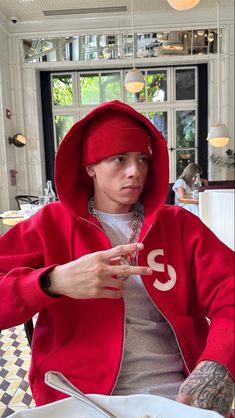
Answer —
(130, 257)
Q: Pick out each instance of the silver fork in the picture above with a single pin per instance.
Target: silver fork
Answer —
(57, 380)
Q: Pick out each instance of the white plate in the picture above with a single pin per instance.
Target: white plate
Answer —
(16, 214)
(133, 406)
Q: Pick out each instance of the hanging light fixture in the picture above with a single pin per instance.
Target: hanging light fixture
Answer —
(183, 4)
(201, 32)
(218, 135)
(134, 79)
(211, 37)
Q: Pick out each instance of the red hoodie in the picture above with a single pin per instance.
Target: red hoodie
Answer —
(192, 279)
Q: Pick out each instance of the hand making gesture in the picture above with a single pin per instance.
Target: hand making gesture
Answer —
(96, 275)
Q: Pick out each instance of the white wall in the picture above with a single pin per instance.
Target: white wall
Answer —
(25, 90)
(7, 156)
(226, 101)
(20, 90)
(20, 93)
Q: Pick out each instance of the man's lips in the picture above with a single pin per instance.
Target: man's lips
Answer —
(130, 186)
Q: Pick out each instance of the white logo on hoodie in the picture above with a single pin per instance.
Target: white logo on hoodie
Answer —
(160, 268)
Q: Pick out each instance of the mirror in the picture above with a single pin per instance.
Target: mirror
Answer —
(18, 140)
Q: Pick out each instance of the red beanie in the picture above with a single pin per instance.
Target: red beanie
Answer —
(113, 133)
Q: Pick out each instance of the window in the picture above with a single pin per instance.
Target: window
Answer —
(169, 100)
(99, 87)
(159, 120)
(62, 124)
(186, 140)
(62, 88)
(95, 47)
(185, 84)
(89, 89)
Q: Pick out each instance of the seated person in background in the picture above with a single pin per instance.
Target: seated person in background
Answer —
(186, 187)
(123, 283)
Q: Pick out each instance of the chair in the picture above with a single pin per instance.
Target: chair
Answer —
(26, 198)
(218, 184)
(216, 210)
(29, 328)
(170, 200)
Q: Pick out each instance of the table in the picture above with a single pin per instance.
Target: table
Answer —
(11, 218)
(12, 221)
(188, 200)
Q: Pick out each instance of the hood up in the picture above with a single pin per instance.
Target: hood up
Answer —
(75, 187)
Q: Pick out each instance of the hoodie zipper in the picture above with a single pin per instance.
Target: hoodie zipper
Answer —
(123, 345)
(124, 311)
(97, 226)
(124, 326)
(173, 330)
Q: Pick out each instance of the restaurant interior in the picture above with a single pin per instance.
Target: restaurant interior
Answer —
(60, 58)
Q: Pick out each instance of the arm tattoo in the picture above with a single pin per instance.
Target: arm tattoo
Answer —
(210, 386)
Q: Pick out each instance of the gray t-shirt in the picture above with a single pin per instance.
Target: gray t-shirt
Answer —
(151, 361)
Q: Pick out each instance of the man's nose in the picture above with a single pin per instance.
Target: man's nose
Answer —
(133, 170)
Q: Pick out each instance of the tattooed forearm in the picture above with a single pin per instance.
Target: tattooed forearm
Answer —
(209, 386)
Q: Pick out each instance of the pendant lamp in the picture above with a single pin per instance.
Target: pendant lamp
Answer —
(134, 79)
(183, 4)
(218, 135)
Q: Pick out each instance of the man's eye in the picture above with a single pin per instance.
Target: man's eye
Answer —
(115, 158)
(119, 158)
(144, 159)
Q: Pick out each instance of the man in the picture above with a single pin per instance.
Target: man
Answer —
(117, 317)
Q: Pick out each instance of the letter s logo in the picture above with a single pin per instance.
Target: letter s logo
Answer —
(160, 267)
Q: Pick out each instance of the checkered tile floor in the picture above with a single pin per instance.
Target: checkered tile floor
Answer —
(15, 392)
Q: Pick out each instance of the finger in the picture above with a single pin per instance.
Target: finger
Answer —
(127, 270)
(115, 261)
(110, 294)
(121, 250)
(109, 282)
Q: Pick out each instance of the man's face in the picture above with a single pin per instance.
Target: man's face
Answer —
(119, 181)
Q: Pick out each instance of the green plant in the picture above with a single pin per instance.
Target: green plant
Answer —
(224, 161)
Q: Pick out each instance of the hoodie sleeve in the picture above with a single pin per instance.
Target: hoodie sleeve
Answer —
(26, 253)
(212, 272)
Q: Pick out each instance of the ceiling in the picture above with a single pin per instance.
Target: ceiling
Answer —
(32, 10)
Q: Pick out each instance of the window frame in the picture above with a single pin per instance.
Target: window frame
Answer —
(170, 105)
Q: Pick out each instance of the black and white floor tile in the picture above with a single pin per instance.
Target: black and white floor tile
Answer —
(15, 392)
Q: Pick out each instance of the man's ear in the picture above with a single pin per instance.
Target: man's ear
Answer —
(90, 170)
